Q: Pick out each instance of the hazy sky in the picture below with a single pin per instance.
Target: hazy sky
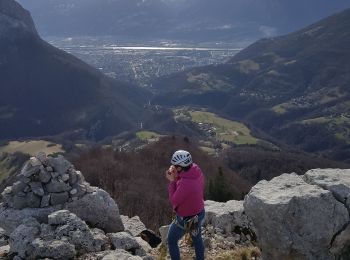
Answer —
(175, 18)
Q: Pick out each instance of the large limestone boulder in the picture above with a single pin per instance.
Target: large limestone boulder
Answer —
(99, 210)
(228, 216)
(295, 219)
(336, 181)
(48, 184)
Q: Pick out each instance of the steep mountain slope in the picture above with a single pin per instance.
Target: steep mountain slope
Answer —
(45, 91)
(189, 19)
(294, 87)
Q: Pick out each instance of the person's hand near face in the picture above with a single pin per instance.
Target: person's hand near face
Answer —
(171, 173)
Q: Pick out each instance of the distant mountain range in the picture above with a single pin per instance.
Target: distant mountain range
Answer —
(294, 88)
(45, 91)
(180, 19)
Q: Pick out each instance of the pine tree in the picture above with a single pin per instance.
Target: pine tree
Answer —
(218, 188)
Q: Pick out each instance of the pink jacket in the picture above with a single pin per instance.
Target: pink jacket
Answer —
(186, 194)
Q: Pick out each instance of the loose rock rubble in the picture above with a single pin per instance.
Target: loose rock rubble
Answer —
(51, 212)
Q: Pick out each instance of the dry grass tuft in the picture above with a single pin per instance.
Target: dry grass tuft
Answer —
(243, 253)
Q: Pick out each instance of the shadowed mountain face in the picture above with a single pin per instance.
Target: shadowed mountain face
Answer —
(188, 19)
(45, 91)
(293, 87)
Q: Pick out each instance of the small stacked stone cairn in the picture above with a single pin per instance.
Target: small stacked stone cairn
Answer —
(46, 181)
(51, 212)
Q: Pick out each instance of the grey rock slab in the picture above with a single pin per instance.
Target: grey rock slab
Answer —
(226, 216)
(7, 190)
(41, 156)
(22, 178)
(30, 200)
(45, 201)
(73, 177)
(21, 194)
(101, 241)
(80, 177)
(34, 162)
(164, 230)
(47, 232)
(110, 255)
(144, 245)
(123, 240)
(3, 237)
(59, 164)
(80, 190)
(44, 175)
(12, 218)
(61, 217)
(99, 210)
(89, 189)
(120, 255)
(335, 180)
(59, 198)
(32, 171)
(56, 249)
(22, 236)
(54, 175)
(293, 219)
(37, 188)
(65, 177)
(133, 225)
(341, 244)
(18, 186)
(7, 199)
(4, 251)
(57, 187)
(76, 230)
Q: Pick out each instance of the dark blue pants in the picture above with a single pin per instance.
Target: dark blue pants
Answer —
(176, 233)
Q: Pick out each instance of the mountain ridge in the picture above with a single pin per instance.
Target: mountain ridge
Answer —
(46, 91)
(293, 87)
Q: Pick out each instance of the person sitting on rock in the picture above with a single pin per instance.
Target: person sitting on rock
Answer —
(186, 191)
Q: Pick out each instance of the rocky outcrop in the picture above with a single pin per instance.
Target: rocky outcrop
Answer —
(302, 217)
(47, 184)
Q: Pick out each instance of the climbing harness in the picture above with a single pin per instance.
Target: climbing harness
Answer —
(190, 225)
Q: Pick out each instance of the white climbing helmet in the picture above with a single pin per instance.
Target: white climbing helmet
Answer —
(181, 158)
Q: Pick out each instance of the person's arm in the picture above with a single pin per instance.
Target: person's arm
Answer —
(177, 193)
